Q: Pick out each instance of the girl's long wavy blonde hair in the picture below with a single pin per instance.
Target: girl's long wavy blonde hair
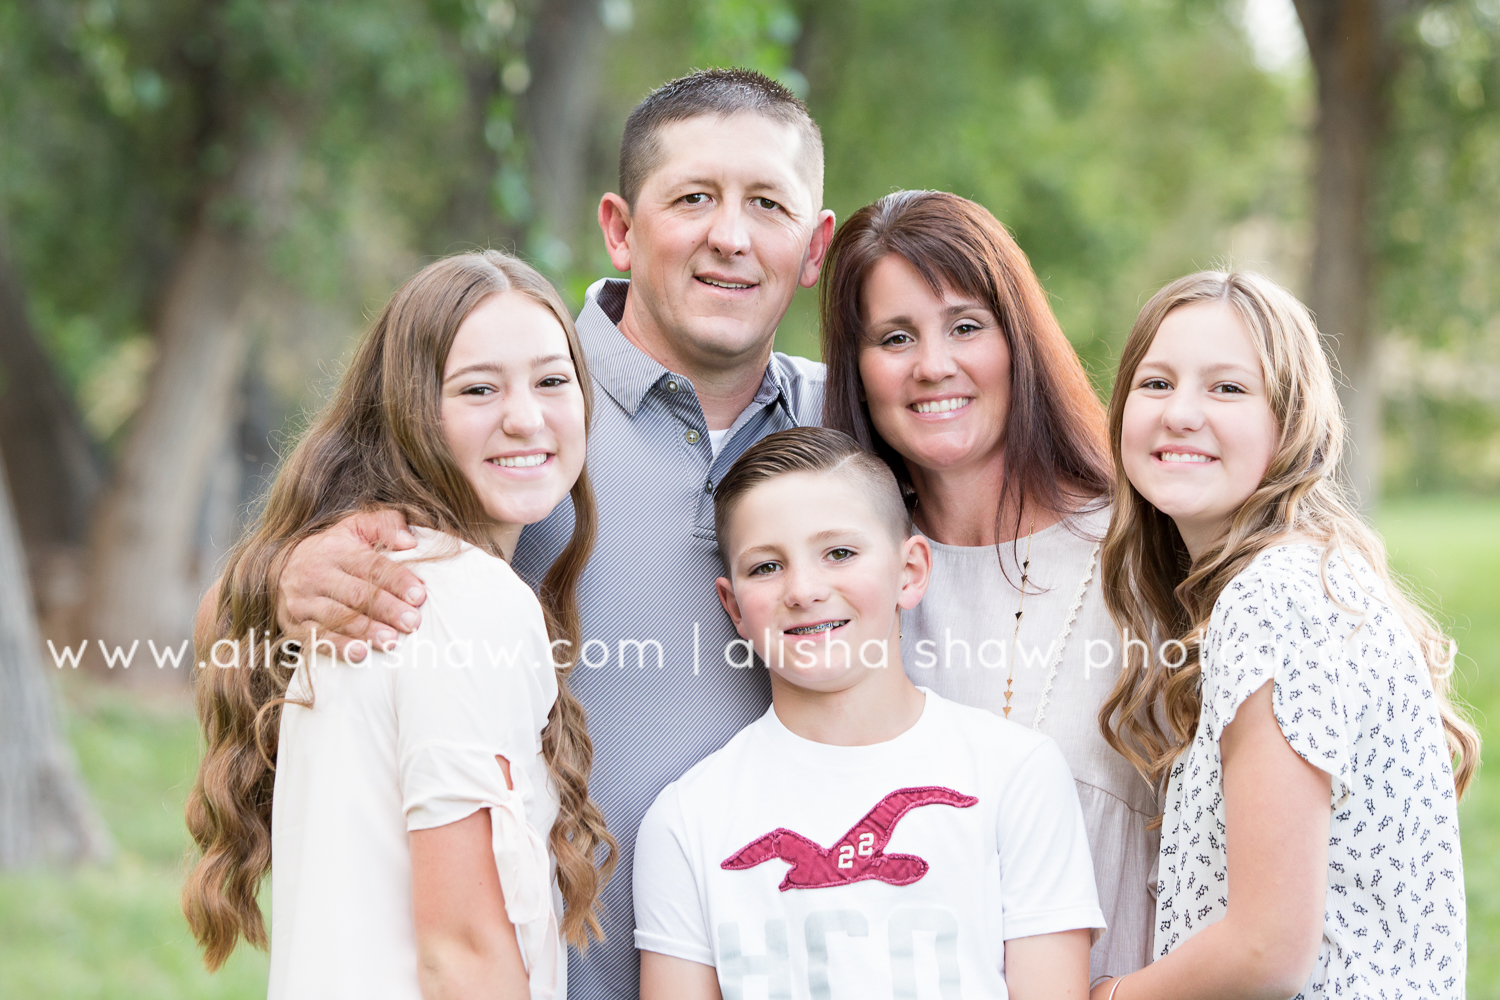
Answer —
(377, 444)
(1157, 592)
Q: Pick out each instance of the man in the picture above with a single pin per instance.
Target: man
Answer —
(718, 220)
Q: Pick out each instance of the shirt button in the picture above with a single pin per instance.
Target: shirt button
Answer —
(708, 487)
(691, 436)
(671, 386)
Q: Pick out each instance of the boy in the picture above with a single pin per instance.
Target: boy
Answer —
(865, 838)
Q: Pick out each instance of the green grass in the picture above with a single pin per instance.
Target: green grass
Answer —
(115, 931)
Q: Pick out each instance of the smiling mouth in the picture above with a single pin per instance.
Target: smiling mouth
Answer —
(817, 629)
(519, 461)
(943, 405)
(733, 286)
(1185, 457)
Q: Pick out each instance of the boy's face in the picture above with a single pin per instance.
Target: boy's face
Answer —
(816, 578)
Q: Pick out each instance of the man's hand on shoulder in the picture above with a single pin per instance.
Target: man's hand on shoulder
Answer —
(337, 583)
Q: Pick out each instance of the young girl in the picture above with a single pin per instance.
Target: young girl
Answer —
(1291, 698)
(403, 800)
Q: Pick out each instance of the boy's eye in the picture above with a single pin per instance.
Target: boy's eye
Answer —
(840, 554)
(763, 569)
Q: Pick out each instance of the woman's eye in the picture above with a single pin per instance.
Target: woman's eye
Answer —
(840, 554)
(767, 204)
(897, 339)
(1156, 384)
(966, 328)
(762, 569)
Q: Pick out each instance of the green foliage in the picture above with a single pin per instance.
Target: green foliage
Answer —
(1439, 252)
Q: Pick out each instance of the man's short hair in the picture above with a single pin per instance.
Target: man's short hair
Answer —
(718, 93)
(811, 449)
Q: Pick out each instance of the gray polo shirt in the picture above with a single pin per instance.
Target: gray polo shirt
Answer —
(653, 674)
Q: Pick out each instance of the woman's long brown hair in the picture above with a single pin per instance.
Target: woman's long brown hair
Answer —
(1055, 445)
(377, 444)
(1157, 592)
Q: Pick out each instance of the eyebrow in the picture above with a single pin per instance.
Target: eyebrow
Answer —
(958, 309)
(490, 366)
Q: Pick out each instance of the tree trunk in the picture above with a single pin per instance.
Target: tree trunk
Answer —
(45, 814)
(146, 579)
(564, 51)
(50, 460)
(1354, 57)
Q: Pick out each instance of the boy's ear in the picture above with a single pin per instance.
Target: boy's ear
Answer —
(916, 571)
(732, 606)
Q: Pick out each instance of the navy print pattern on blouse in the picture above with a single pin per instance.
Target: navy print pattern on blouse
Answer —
(1354, 699)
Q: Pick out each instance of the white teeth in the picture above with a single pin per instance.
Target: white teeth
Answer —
(943, 405)
(721, 284)
(1180, 456)
(519, 462)
(816, 629)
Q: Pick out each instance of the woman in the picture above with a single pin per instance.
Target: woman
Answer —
(407, 802)
(944, 358)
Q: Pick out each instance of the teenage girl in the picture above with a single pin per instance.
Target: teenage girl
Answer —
(1287, 693)
(423, 808)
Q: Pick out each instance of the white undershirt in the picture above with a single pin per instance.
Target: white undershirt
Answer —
(716, 440)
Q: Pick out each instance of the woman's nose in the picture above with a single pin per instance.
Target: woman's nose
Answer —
(934, 360)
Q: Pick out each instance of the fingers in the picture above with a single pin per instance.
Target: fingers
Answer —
(334, 574)
(386, 528)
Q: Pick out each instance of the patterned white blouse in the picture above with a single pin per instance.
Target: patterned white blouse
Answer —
(1354, 699)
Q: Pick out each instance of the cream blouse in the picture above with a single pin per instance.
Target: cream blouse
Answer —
(958, 642)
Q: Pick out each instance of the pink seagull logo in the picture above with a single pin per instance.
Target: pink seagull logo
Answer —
(858, 855)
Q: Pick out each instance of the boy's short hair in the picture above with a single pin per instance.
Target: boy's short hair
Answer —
(719, 93)
(811, 449)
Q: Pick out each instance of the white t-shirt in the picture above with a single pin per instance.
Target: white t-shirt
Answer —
(799, 869)
(1353, 697)
(406, 741)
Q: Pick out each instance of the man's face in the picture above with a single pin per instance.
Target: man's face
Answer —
(722, 233)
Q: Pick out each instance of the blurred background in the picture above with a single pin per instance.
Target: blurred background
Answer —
(202, 202)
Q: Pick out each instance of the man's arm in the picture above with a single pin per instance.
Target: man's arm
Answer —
(666, 978)
(336, 582)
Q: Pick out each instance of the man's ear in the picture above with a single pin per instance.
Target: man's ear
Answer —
(732, 606)
(817, 250)
(916, 573)
(615, 221)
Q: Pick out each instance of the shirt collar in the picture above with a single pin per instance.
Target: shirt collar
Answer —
(625, 371)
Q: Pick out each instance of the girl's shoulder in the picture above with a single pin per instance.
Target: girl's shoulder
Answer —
(464, 580)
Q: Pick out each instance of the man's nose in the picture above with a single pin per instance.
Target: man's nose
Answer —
(729, 234)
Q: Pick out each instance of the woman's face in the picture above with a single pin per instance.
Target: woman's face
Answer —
(935, 370)
(512, 411)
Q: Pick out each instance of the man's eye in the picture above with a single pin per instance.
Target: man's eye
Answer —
(695, 199)
(767, 204)
(761, 569)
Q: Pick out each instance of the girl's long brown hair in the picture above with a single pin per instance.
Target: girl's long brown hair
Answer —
(1055, 450)
(1158, 593)
(377, 444)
